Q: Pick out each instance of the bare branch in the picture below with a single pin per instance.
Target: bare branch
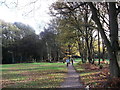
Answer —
(97, 21)
(118, 10)
(31, 3)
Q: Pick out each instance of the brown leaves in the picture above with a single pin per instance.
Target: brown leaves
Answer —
(114, 83)
(94, 76)
(91, 67)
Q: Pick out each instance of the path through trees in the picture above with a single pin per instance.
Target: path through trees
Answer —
(72, 80)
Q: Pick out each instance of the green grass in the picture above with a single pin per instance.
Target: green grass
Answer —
(87, 73)
(78, 67)
(77, 59)
(33, 75)
(101, 60)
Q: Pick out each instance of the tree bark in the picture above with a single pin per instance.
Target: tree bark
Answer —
(89, 51)
(87, 37)
(114, 39)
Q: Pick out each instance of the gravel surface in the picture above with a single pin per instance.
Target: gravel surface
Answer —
(72, 80)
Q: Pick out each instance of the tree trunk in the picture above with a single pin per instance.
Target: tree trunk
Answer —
(87, 37)
(89, 51)
(103, 51)
(21, 58)
(98, 48)
(93, 56)
(91, 48)
(114, 68)
(80, 52)
(13, 59)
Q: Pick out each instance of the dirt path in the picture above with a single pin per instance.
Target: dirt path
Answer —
(72, 79)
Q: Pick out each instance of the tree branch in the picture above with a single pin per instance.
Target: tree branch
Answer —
(118, 10)
(97, 21)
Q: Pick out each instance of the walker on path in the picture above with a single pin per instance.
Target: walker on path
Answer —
(67, 61)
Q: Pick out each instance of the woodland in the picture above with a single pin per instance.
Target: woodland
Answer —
(85, 30)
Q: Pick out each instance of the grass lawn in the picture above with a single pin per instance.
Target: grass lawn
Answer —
(33, 75)
(77, 59)
(96, 60)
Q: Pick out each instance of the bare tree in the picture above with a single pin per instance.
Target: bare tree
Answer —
(112, 45)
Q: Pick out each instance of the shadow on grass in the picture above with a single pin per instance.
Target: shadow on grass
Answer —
(33, 77)
(52, 80)
(29, 69)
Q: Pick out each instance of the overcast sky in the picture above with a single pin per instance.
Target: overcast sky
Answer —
(38, 18)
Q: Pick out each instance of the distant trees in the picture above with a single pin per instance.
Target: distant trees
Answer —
(14, 41)
(51, 46)
(21, 44)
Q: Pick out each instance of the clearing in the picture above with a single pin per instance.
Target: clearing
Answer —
(33, 75)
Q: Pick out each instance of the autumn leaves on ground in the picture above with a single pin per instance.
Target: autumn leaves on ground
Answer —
(51, 75)
(96, 76)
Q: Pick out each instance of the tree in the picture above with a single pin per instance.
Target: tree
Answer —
(99, 12)
(112, 45)
(75, 17)
(51, 46)
(17, 42)
(9, 36)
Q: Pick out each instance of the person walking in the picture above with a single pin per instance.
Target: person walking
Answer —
(72, 61)
(67, 61)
